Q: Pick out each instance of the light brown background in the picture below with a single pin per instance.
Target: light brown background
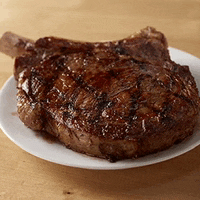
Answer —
(23, 176)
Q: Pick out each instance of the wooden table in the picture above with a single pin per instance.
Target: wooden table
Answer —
(23, 176)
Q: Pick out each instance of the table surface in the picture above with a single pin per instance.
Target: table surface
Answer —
(23, 176)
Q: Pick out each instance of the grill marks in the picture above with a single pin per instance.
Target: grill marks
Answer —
(63, 83)
(63, 79)
(44, 75)
(102, 87)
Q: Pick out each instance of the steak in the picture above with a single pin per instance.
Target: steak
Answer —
(114, 100)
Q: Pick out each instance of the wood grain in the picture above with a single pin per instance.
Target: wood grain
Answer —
(23, 176)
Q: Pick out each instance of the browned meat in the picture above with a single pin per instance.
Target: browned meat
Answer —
(113, 100)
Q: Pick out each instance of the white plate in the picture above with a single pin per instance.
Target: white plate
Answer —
(57, 153)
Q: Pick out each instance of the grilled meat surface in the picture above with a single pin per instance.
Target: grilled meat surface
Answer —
(114, 100)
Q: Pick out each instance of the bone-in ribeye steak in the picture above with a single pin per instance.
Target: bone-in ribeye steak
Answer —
(113, 100)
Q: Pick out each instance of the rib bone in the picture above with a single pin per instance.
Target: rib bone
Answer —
(14, 45)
